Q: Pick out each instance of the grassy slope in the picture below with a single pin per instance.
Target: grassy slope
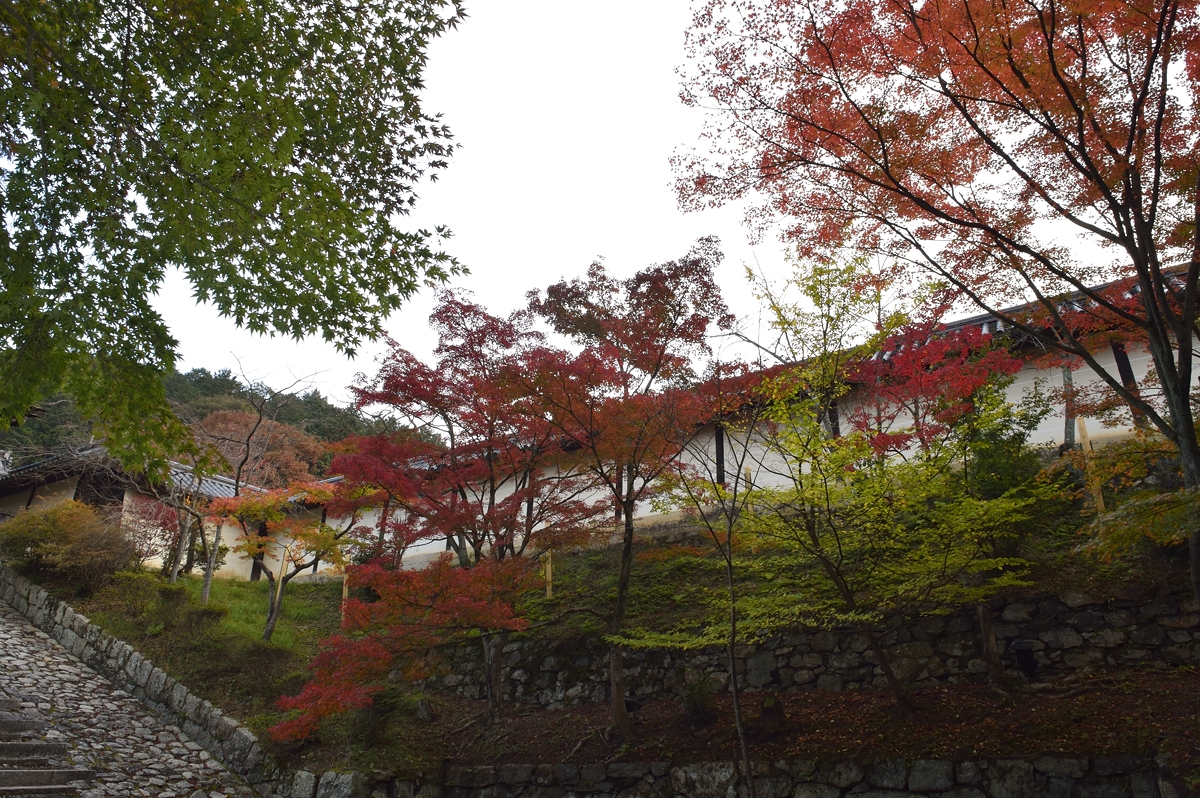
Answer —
(218, 651)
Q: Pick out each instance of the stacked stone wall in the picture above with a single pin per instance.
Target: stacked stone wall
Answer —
(1039, 636)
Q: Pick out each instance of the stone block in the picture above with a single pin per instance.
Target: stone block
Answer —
(566, 773)
(304, 784)
(889, 773)
(342, 785)
(1148, 635)
(482, 776)
(1185, 621)
(761, 668)
(968, 773)
(1064, 767)
(590, 774)
(772, 786)
(1106, 638)
(844, 660)
(1057, 639)
(1078, 598)
(155, 683)
(1010, 778)
(1018, 612)
(1143, 785)
(1083, 657)
(515, 774)
(931, 775)
(1116, 765)
(841, 774)
(829, 681)
(815, 790)
(703, 780)
(1104, 789)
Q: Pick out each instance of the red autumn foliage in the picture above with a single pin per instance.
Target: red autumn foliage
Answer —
(490, 474)
(415, 611)
(922, 382)
(623, 397)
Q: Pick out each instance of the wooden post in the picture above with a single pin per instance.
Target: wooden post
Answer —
(549, 574)
(1097, 493)
(345, 592)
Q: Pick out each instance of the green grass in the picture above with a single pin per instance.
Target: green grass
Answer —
(217, 650)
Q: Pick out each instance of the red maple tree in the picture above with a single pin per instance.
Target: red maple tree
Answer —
(921, 382)
(1043, 153)
(623, 397)
(477, 467)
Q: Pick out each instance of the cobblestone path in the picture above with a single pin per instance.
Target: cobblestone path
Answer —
(132, 751)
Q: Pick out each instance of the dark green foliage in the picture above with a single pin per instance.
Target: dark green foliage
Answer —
(57, 428)
(699, 699)
(266, 151)
(199, 392)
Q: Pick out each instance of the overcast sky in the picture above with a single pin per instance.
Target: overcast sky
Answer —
(567, 115)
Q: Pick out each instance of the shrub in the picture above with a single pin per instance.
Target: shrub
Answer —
(72, 540)
(698, 697)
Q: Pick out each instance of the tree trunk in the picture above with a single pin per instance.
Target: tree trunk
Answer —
(210, 565)
(493, 662)
(276, 605)
(1189, 460)
(903, 702)
(616, 659)
(991, 652)
(190, 562)
(185, 537)
(738, 721)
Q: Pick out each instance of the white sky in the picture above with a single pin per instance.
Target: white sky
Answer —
(566, 115)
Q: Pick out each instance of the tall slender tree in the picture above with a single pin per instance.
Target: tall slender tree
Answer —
(622, 397)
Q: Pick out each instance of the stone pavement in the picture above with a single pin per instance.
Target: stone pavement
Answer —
(133, 752)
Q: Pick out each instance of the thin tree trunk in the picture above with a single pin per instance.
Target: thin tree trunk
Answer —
(185, 538)
(738, 721)
(190, 562)
(903, 702)
(616, 659)
(276, 605)
(991, 651)
(211, 565)
(493, 662)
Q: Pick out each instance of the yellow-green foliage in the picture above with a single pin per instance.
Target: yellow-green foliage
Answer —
(73, 540)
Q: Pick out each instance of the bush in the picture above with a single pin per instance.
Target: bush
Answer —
(71, 540)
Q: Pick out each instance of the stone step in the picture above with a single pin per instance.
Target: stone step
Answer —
(49, 777)
(24, 762)
(13, 728)
(15, 751)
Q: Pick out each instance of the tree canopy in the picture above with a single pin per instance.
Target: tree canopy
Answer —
(1041, 153)
(267, 152)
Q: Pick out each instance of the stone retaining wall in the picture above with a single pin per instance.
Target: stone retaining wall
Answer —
(1043, 777)
(1050, 635)
(117, 661)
